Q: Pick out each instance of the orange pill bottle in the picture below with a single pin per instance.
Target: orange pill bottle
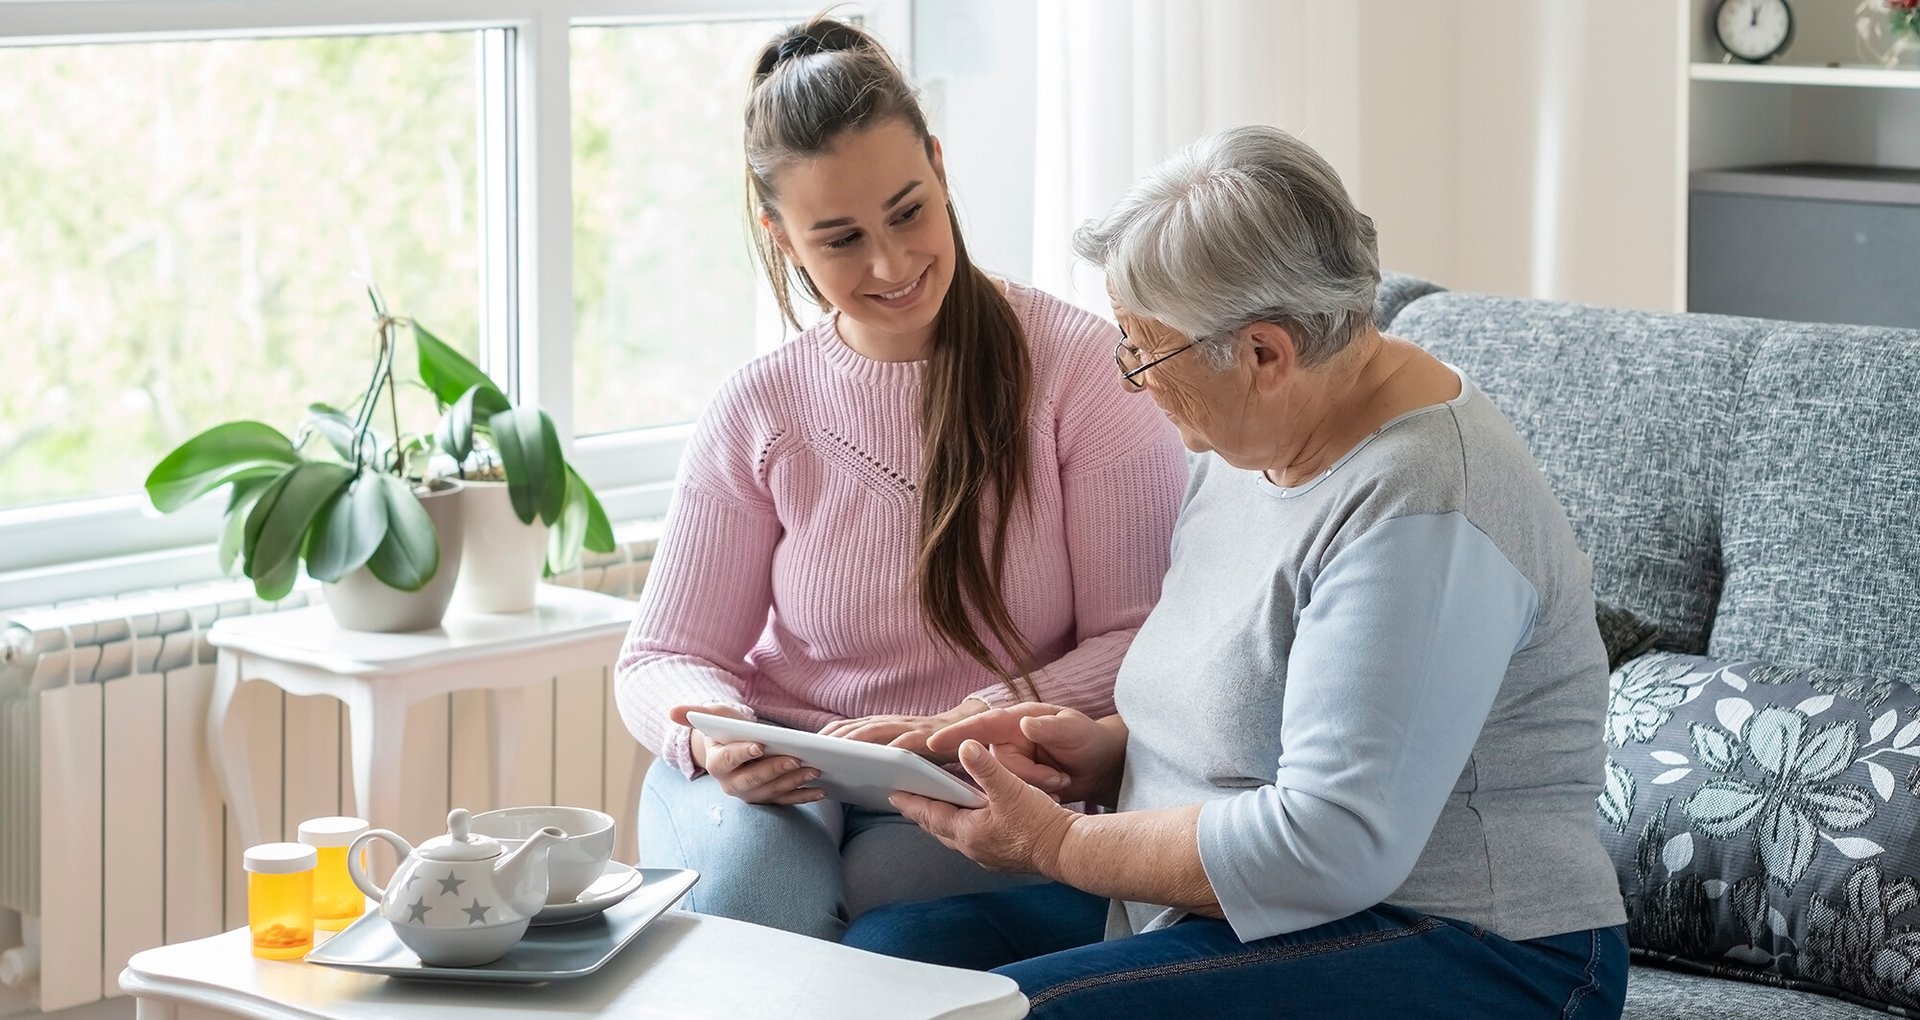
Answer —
(280, 899)
(337, 902)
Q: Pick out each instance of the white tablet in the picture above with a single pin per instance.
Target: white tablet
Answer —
(851, 771)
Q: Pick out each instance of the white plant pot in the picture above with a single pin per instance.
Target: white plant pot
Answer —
(500, 569)
(361, 601)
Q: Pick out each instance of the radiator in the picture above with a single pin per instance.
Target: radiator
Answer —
(113, 837)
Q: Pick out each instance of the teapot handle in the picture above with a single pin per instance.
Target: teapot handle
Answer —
(359, 874)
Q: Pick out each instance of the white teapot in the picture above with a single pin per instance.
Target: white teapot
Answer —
(457, 901)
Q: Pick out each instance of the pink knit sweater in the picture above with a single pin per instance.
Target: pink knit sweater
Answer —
(784, 582)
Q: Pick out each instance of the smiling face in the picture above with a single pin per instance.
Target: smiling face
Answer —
(868, 221)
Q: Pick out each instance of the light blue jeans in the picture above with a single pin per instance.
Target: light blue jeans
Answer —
(809, 869)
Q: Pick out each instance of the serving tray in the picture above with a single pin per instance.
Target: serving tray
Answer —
(550, 953)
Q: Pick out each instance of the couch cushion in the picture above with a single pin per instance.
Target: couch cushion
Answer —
(1821, 511)
(1629, 415)
(1656, 993)
(1765, 822)
(1397, 291)
(1625, 634)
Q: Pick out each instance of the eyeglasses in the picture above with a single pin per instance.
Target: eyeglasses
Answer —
(1127, 357)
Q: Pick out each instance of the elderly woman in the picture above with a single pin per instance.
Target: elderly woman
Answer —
(1358, 741)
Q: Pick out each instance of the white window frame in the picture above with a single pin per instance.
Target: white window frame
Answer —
(90, 547)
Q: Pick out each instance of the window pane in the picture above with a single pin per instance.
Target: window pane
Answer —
(667, 297)
(186, 227)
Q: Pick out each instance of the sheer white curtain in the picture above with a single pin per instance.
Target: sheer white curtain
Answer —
(1121, 84)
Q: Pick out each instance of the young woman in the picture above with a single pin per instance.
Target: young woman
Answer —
(920, 508)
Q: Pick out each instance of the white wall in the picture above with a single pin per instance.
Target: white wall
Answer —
(1508, 146)
(1569, 150)
(1406, 176)
(974, 60)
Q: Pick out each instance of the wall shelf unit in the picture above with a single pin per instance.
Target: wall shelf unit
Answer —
(1801, 74)
(1815, 103)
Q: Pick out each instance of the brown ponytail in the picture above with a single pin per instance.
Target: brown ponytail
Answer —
(813, 83)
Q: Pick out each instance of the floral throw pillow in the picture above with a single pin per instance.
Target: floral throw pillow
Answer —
(1765, 823)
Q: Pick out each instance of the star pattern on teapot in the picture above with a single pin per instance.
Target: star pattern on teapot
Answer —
(451, 884)
(417, 911)
(476, 914)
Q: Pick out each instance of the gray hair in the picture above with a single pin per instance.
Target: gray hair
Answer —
(1247, 225)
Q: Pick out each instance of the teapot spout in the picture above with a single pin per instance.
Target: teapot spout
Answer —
(521, 876)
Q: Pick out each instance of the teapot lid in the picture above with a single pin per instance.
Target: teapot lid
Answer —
(459, 844)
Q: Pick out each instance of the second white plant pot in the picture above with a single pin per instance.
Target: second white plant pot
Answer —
(501, 559)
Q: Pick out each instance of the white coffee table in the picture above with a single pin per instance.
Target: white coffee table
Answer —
(682, 966)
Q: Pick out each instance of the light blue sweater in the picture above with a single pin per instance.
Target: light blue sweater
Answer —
(1385, 685)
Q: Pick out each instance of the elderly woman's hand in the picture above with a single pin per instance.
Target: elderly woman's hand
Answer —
(1019, 830)
(1059, 750)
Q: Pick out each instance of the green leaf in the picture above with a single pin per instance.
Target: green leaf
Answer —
(488, 402)
(409, 555)
(563, 539)
(582, 520)
(536, 471)
(274, 584)
(554, 495)
(277, 527)
(257, 519)
(478, 403)
(446, 371)
(233, 528)
(350, 529)
(336, 428)
(455, 437)
(222, 454)
(599, 529)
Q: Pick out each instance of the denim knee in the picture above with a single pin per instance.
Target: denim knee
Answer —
(777, 866)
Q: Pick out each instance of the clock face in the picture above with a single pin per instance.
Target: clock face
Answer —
(1753, 30)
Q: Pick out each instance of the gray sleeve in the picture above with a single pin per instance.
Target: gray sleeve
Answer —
(1400, 649)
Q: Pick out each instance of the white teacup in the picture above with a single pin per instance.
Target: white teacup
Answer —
(574, 862)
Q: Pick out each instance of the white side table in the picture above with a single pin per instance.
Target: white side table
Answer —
(376, 676)
(682, 966)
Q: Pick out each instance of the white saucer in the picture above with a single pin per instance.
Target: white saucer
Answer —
(616, 883)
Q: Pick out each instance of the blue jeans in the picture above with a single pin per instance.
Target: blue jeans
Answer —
(807, 869)
(1387, 961)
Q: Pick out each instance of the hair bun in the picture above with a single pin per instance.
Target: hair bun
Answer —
(796, 46)
(825, 35)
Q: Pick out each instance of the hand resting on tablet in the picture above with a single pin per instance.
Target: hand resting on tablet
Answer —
(1059, 750)
(906, 731)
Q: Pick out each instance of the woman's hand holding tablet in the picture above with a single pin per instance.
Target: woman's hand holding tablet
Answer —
(744, 768)
(849, 771)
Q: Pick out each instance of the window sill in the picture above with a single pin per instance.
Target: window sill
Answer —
(638, 511)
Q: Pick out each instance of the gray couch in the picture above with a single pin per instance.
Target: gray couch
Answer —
(1752, 487)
